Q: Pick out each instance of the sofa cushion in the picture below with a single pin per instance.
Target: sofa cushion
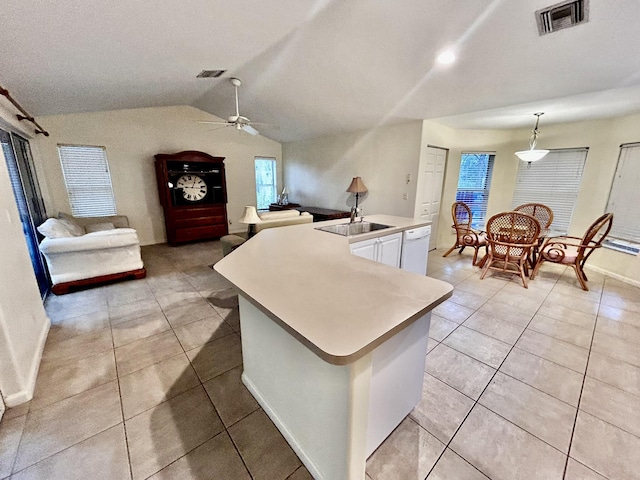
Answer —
(99, 227)
(55, 228)
(72, 225)
(264, 216)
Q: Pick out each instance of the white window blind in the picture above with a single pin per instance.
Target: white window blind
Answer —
(553, 181)
(625, 196)
(474, 183)
(88, 181)
(265, 182)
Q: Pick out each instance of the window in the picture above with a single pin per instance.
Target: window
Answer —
(624, 200)
(88, 181)
(474, 183)
(265, 182)
(553, 181)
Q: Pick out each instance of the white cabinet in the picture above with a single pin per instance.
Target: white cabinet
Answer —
(385, 249)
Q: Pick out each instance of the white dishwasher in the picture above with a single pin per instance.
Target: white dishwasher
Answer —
(415, 249)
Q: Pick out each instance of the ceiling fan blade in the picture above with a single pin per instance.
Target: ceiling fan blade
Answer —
(213, 123)
(250, 129)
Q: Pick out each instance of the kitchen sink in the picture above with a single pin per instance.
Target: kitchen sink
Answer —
(355, 228)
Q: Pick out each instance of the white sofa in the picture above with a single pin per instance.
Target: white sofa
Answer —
(88, 251)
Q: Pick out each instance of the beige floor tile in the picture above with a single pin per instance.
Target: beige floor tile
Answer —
(139, 328)
(458, 370)
(230, 397)
(487, 287)
(593, 295)
(452, 467)
(568, 315)
(409, 452)
(165, 433)
(575, 303)
(472, 300)
(517, 301)
(441, 327)
(174, 298)
(145, 352)
(202, 331)
(17, 411)
(301, 474)
(441, 409)
(621, 457)
(83, 324)
(431, 344)
(619, 315)
(53, 428)
(617, 348)
(10, 434)
(556, 380)
(554, 350)
(188, 311)
(453, 311)
(577, 471)
(630, 305)
(263, 449)
(216, 357)
(128, 292)
(58, 383)
(508, 313)
(492, 326)
(130, 311)
(102, 456)
(613, 328)
(452, 276)
(152, 385)
(481, 347)
(614, 372)
(561, 330)
(76, 348)
(542, 415)
(503, 451)
(216, 458)
(612, 405)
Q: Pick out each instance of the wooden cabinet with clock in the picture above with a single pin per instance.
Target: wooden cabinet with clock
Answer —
(193, 195)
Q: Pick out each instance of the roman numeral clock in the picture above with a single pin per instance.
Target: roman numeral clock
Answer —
(193, 195)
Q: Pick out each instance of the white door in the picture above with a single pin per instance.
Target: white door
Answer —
(389, 248)
(430, 191)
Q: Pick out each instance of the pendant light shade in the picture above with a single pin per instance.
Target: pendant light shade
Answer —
(533, 155)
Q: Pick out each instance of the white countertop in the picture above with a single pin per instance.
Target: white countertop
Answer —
(341, 306)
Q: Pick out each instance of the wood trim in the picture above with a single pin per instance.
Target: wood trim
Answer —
(67, 287)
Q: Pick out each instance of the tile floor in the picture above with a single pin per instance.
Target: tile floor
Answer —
(141, 379)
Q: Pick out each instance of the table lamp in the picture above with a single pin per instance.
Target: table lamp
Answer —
(357, 186)
(250, 217)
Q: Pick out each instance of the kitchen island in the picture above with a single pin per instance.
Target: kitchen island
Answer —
(333, 345)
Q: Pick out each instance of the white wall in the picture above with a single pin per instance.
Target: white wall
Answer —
(317, 172)
(23, 321)
(603, 137)
(132, 138)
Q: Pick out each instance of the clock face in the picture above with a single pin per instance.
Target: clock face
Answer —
(193, 187)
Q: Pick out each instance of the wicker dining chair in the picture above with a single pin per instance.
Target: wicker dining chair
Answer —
(510, 237)
(465, 235)
(539, 211)
(575, 251)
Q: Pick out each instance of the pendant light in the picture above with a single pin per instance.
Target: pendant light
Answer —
(533, 155)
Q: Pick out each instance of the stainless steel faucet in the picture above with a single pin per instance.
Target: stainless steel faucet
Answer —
(354, 214)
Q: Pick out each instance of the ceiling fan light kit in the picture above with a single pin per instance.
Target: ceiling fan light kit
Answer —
(533, 154)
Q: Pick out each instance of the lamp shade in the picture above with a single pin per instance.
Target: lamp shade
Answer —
(357, 186)
(531, 155)
(250, 216)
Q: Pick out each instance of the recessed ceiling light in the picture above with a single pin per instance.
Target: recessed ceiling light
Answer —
(446, 57)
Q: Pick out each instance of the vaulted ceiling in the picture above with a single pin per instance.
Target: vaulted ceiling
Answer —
(315, 67)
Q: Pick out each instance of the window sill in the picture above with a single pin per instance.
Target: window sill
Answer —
(622, 246)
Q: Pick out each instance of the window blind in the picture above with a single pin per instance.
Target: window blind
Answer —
(474, 183)
(625, 196)
(88, 181)
(553, 181)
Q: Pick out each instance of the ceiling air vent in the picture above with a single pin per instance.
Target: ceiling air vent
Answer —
(210, 73)
(562, 15)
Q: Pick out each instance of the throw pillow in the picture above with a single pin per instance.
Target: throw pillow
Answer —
(54, 228)
(99, 227)
(70, 222)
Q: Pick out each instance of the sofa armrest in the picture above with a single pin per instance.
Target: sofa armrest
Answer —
(119, 221)
(304, 217)
(91, 241)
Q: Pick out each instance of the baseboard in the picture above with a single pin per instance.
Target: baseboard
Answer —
(26, 394)
(617, 276)
(313, 470)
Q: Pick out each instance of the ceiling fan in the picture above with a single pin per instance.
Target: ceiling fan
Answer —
(238, 121)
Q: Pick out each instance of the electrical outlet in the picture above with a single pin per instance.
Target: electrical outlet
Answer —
(230, 222)
(405, 196)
